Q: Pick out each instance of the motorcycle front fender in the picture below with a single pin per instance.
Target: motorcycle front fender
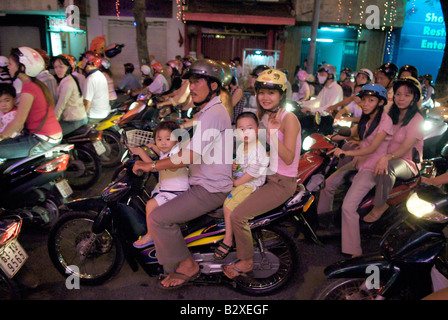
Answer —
(359, 267)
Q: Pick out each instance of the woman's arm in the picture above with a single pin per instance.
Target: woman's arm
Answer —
(290, 127)
(379, 138)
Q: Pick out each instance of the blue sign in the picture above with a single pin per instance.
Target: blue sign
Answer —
(421, 41)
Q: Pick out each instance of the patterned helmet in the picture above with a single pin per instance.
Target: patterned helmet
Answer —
(271, 79)
(30, 59)
(93, 59)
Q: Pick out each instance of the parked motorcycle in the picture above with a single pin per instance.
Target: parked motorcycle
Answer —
(409, 250)
(84, 168)
(95, 235)
(34, 187)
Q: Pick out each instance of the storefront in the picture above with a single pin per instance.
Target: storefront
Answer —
(64, 38)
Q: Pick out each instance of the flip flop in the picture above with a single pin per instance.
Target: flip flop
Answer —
(241, 274)
(148, 241)
(179, 276)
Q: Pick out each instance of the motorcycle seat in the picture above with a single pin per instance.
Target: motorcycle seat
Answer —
(80, 132)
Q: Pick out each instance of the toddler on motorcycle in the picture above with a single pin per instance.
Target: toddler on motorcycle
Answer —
(8, 110)
(374, 130)
(171, 182)
(249, 171)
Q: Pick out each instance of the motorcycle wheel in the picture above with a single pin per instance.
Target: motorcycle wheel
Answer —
(114, 149)
(76, 251)
(270, 275)
(344, 289)
(83, 169)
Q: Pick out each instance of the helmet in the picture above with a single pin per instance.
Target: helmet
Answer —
(411, 69)
(68, 59)
(4, 61)
(227, 73)
(271, 79)
(425, 77)
(176, 65)
(373, 89)
(330, 69)
(347, 71)
(93, 59)
(367, 72)
(258, 69)
(410, 81)
(302, 75)
(146, 70)
(389, 69)
(206, 68)
(30, 59)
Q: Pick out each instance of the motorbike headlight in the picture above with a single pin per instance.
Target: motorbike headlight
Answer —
(424, 209)
(308, 143)
(289, 107)
(427, 125)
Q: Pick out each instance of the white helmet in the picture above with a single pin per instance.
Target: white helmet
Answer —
(146, 70)
(32, 60)
(367, 73)
(4, 61)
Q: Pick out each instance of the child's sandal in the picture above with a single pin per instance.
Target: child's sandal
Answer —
(221, 254)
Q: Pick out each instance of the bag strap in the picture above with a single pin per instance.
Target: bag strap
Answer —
(43, 121)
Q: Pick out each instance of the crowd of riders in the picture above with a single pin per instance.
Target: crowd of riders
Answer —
(43, 98)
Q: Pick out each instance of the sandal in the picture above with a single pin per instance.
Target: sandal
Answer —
(179, 276)
(374, 215)
(142, 242)
(241, 274)
(221, 254)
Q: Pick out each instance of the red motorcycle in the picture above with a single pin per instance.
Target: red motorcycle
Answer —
(316, 165)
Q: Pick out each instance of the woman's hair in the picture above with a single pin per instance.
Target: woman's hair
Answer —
(169, 125)
(365, 118)
(40, 84)
(247, 114)
(413, 108)
(69, 72)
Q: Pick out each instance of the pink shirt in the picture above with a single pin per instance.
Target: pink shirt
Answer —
(413, 129)
(369, 161)
(290, 170)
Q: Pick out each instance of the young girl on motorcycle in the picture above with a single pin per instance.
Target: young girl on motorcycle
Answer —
(283, 129)
(249, 171)
(171, 182)
(407, 135)
(374, 130)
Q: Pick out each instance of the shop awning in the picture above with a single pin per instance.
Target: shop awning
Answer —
(242, 19)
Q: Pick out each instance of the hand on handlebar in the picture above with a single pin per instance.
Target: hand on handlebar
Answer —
(338, 152)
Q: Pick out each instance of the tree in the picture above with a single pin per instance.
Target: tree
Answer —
(441, 86)
(139, 12)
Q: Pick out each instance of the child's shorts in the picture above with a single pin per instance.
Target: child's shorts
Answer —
(238, 195)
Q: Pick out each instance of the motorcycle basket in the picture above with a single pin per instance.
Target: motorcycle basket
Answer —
(137, 138)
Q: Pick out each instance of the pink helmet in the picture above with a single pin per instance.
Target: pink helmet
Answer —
(302, 75)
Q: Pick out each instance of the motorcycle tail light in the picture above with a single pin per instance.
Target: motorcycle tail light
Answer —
(56, 165)
(10, 232)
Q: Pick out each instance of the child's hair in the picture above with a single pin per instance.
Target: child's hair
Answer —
(169, 125)
(247, 114)
(6, 88)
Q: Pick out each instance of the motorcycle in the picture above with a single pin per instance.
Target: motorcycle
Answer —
(34, 187)
(412, 256)
(94, 236)
(316, 165)
(84, 167)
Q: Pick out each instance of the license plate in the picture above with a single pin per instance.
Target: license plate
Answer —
(12, 258)
(64, 188)
(99, 147)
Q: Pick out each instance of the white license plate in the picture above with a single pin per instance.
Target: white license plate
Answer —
(99, 147)
(64, 188)
(12, 258)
